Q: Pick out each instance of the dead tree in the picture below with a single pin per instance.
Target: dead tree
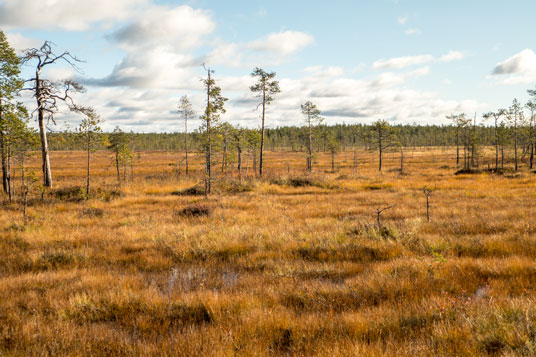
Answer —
(379, 212)
(48, 94)
(427, 192)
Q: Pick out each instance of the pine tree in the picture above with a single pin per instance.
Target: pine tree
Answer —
(210, 120)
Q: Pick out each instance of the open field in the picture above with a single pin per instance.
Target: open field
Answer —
(288, 265)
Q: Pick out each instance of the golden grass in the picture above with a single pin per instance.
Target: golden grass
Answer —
(288, 265)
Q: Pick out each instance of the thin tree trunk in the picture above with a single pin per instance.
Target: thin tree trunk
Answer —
(209, 143)
(247, 165)
(515, 145)
(9, 183)
(239, 164)
(496, 146)
(117, 168)
(401, 160)
(261, 158)
(380, 148)
(310, 149)
(457, 145)
(5, 173)
(88, 162)
(186, 142)
(333, 161)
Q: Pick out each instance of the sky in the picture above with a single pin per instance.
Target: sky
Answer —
(405, 61)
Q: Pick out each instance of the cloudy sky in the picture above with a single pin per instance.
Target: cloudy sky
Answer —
(407, 61)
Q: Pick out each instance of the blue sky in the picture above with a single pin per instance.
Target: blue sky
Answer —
(405, 61)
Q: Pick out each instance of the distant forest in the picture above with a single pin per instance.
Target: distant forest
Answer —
(294, 138)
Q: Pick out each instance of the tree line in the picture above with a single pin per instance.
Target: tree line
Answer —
(511, 129)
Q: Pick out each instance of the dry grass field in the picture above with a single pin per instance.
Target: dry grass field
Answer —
(289, 265)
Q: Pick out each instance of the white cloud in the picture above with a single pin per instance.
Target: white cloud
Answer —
(412, 31)
(419, 72)
(64, 14)
(181, 27)
(20, 42)
(522, 62)
(407, 61)
(326, 72)
(402, 20)
(339, 98)
(282, 43)
(452, 56)
(402, 62)
(518, 69)
(162, 61)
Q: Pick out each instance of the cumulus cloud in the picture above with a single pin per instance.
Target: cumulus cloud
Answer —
(522, 62)
(518, 69)
(164, 47)
(65, 14)
(407, 61)
(158, 68)
(283, 43)
(181, 27)
(19, 42)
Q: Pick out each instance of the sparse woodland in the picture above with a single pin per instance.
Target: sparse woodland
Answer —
(337, 240)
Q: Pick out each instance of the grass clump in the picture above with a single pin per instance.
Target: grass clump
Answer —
(92, 212)
(195, 210)
(304, 181)
(69, 194)
(190, 191)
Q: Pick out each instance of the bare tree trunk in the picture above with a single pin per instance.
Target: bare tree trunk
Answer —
(309, 148)
(531, 160)
(457, 145)
(261, 159)
(239, 163)
(47, 174)
(25, 199)
(247, 165)
(380, 149)
(333, 161)
(88, 162)
(224, 156)
(355, 161)
(401, 160)
(117, 168)
(496, 146)
(254, 153)
(209, 143)
(186, 142)
(9, 181)
(515, 143)
(5, 172)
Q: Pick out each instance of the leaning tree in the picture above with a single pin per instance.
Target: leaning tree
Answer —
(49, 94)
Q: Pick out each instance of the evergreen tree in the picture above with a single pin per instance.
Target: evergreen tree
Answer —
(210, 120)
